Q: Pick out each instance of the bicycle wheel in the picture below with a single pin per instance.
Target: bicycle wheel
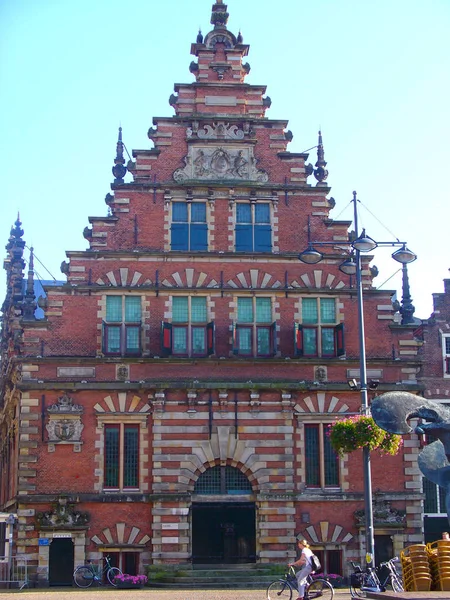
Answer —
(279, 589)
(320, 588)
(83, 577)
(112, 574)
(396, 584)
(356, 581)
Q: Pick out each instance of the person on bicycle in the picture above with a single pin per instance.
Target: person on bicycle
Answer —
(304, 562)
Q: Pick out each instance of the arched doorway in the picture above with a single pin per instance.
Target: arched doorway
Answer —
(223, 518)
(61, 559)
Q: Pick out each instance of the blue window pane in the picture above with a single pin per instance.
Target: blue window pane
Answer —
(198, 212)
(310, 342)
(132, 309)
(180, 312)
(112, 456)
(114, 309)
(243, 213)
(113, 340)
(328, 341)
(263, 340)
(244, 238)
(199, 340)
(244, 340)
(180, 236)
(198, 310)
(312, 455)
(263, 310)
(245, 310)
(263, 238)
(262, 213)
(131, 456)
(132, 339)
(179, 340)
(180, 212)
(309, 310)
(327, 310)
(199, 237)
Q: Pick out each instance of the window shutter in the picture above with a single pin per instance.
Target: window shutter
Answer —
(244, 238)
(339, 339)
(298, 339)
(179, 240)
(199, 237)
(210, 338)
(273, 334)
(166, 338)
(235, 346)
(263, 238)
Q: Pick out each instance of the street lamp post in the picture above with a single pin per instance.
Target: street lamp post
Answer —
(352, 266)
(11, 519)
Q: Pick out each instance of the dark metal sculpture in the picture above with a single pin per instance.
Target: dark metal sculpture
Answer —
(393, 410)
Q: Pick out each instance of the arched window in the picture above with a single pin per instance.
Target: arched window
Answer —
(222, 480)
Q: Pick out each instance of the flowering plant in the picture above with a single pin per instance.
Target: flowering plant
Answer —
(134, 579)
(361, 431)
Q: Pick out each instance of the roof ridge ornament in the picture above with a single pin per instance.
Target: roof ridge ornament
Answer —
(119, 170)
(320, 173)
(219, 16)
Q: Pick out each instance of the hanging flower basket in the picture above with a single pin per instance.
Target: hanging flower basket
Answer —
(361, 431)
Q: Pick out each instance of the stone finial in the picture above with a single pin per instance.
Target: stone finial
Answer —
(119, 170)
(29, 305)
(219, 16)
(320, 173)
(199, 37)
(407, 309)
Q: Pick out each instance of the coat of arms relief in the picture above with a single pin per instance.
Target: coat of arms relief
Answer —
(64, 425)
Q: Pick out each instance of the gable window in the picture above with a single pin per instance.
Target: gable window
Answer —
(189, 230)
(122, 326)
(121, 456)
(446, 354)
(318, 334)
(253, 228)
(321, 461)
(254, 334)
(189, 333)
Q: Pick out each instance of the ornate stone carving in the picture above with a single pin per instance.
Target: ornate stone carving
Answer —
(383, 514)
(62, 516)
(218, 163)
(65, 405)
(220, 130)
(64, 424)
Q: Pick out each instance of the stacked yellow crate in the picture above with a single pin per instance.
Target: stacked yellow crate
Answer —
(416, 568)
(439, 559)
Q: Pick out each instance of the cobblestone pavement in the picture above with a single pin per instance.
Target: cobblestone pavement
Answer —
(147, 594)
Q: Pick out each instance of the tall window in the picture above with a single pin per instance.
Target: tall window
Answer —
(122, 326)
(322, 464)
(253, 229)
(189, 227)
(254, 333)
(121, 455)
(446, 354)
(318, 334)
(189, 333)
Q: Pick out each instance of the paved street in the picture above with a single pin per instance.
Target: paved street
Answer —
(148, 594)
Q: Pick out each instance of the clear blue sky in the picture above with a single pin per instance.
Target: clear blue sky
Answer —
(373, 74)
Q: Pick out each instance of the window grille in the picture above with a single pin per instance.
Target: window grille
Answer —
(222, 480)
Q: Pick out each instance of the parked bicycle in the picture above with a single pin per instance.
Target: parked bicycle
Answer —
(284, 588)
(85, 575)
(368, 580)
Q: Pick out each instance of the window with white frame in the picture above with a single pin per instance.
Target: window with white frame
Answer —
(319, 334)
(321, 461)
(446, 354)
(122, 326)
(254, 333)
(189, 333)
(189, 229)
(253, 227)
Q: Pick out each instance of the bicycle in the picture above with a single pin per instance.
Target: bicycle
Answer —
(85, 575)
(369, 581)
(284, 587)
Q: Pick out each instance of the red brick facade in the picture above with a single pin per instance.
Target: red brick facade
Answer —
(77, 382)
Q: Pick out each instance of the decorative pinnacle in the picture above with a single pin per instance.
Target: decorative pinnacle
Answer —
(320, 173)
(219, 16)
(119, 170)
(29, 305)
(407, 309)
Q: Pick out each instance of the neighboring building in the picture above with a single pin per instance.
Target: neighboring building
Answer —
(173, 403)
(435, 377)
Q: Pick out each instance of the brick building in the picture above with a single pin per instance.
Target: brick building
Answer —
(435, 378)
(172, 403)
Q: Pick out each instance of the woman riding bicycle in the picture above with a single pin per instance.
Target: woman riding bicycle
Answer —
(304, 562)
